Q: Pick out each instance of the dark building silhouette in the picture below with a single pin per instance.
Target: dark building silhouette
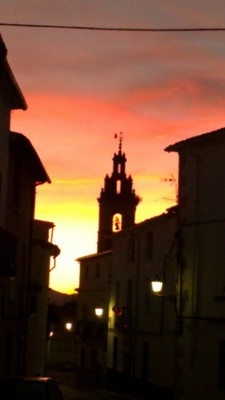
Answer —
(117, 202)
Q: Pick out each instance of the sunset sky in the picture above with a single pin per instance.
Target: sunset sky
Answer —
(83, 86)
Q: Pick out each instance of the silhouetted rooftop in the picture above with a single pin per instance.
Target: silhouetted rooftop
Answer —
(94, 255)
(209, 136)
(19, 142)
(9, 86)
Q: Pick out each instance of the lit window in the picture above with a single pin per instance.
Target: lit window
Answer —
(97, 270)
(117, 223)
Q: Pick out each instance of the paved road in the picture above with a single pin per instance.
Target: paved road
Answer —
(66, 382)
(70, 393)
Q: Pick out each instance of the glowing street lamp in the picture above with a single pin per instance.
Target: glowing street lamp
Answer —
(99, 311)
(157, 288)
(157, 285)
(69, 326)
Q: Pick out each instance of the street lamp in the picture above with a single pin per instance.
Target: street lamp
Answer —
(99, 311)
(157, 285)
(157, 288)
(68, 326)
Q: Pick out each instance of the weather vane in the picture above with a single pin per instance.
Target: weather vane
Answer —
(120, 136)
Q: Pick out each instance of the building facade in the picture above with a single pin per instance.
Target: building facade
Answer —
(200, 363)
(11, 98)
(117, 207)
(136, 326)
(44, 254)
(141, 326)
(91, 332)
(21, 171)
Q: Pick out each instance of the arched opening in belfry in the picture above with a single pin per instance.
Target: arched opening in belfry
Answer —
(118, 186)
(117, 222)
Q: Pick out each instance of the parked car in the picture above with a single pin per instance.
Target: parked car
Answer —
(29, 388)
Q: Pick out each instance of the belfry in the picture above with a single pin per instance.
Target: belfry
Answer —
(117, 201)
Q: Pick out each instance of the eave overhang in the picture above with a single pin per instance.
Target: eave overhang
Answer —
(21, 145)
(197, 140)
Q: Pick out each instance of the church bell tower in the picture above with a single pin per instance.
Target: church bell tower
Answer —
(117, 201)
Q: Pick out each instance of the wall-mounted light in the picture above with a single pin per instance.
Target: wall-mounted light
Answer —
(157, 285)
(68, 326)
(99, 311)
(157, 288)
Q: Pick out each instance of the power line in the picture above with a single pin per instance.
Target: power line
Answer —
(98, 28)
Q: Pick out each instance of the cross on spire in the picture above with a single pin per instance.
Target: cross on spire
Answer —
(120, 137)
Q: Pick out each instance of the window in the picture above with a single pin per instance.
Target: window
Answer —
(84, 311)
(109, 270)
(117, 223)
(129, 293)
(2, 304)
(86, 271)
(147, 296)
(32, 301)
(145, 361)
(129, 301)
(222, 364)
(94, 358)
(97, 270)
(115, 353)
(16, 190)
(118, 186)
(127, 362)
(131, 249)
(82, 356)
(8, 248)
(8, 347)
(0, 183)
(117, 294)
(149, 246)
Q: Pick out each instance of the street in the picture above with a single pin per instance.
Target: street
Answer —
(70, 391)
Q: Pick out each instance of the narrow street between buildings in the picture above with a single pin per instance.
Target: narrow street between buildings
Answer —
(72, 391)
